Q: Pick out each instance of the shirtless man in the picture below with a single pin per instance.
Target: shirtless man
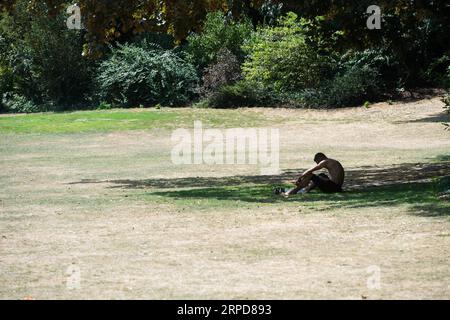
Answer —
(327, 184)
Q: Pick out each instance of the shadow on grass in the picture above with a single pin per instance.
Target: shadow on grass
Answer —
(422, 197)
(437, 118)
(443, 158)
(411, 184)
(355, 178)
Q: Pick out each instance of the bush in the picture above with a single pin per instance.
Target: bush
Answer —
(104, 106)
(306, 74)
(360, 76)
(242, 94)
(147, 75)
(225, 71)
(436, 73)
(386, 66)
(15, 103)
(351, 88)
(447, 102)
(218, 32)
(281, 57)
(6, 83)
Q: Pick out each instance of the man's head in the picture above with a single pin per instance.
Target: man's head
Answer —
(318, 158)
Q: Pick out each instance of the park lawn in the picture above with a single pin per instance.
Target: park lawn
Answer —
(96, 192)
(421, 198)
(124, 120)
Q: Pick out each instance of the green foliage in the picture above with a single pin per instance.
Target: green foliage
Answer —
(44, 57)
(360, 76)
(447, 102)
(303, 70)
(315, 57)
(444, 186)
(219, 31)
(242, 94)
(436, 73)
(281, 57)
(417, 32)
(6, 83)
(383, 64)
(270, 11)
(352, 87)
(6, 71)
(147, 75)
(104, 106)
(15, 103)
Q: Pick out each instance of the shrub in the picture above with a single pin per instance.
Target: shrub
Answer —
(147, 75)
(360, 76)
(382, 63)
(242, 94)
(225, 71)
(104, 106)
(352, 87)
(218, 32)
(280, 56)
(305, 72)
(436, 73)
(15, 103)
(6, 72)
(447, 102)
(6, 81)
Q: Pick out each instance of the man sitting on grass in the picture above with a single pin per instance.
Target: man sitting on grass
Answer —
(328, 184)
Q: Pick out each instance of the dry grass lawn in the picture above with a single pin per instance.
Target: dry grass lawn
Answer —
(106, 215)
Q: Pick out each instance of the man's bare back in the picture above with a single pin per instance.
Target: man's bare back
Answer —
(337, 173)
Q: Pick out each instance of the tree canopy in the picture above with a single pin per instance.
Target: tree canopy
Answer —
(108, 20)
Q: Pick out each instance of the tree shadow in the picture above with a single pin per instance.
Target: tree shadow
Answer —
(443, 158)
(356, 179)
(411, 183)
(437, 118)
(421, 196)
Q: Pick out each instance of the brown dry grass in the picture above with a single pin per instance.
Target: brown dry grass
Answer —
(130, 246)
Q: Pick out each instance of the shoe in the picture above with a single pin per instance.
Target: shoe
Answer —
(278, 191)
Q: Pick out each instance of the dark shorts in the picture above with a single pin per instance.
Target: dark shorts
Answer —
(323, 182)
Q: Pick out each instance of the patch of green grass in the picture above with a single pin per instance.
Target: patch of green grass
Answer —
(442, 158)
(215, 197)
(420, 197)
(122, 120)
(87, 121)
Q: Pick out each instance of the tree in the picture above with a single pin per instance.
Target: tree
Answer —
(219, 32)
(43, 57)
(417, 31)
(107, 20)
